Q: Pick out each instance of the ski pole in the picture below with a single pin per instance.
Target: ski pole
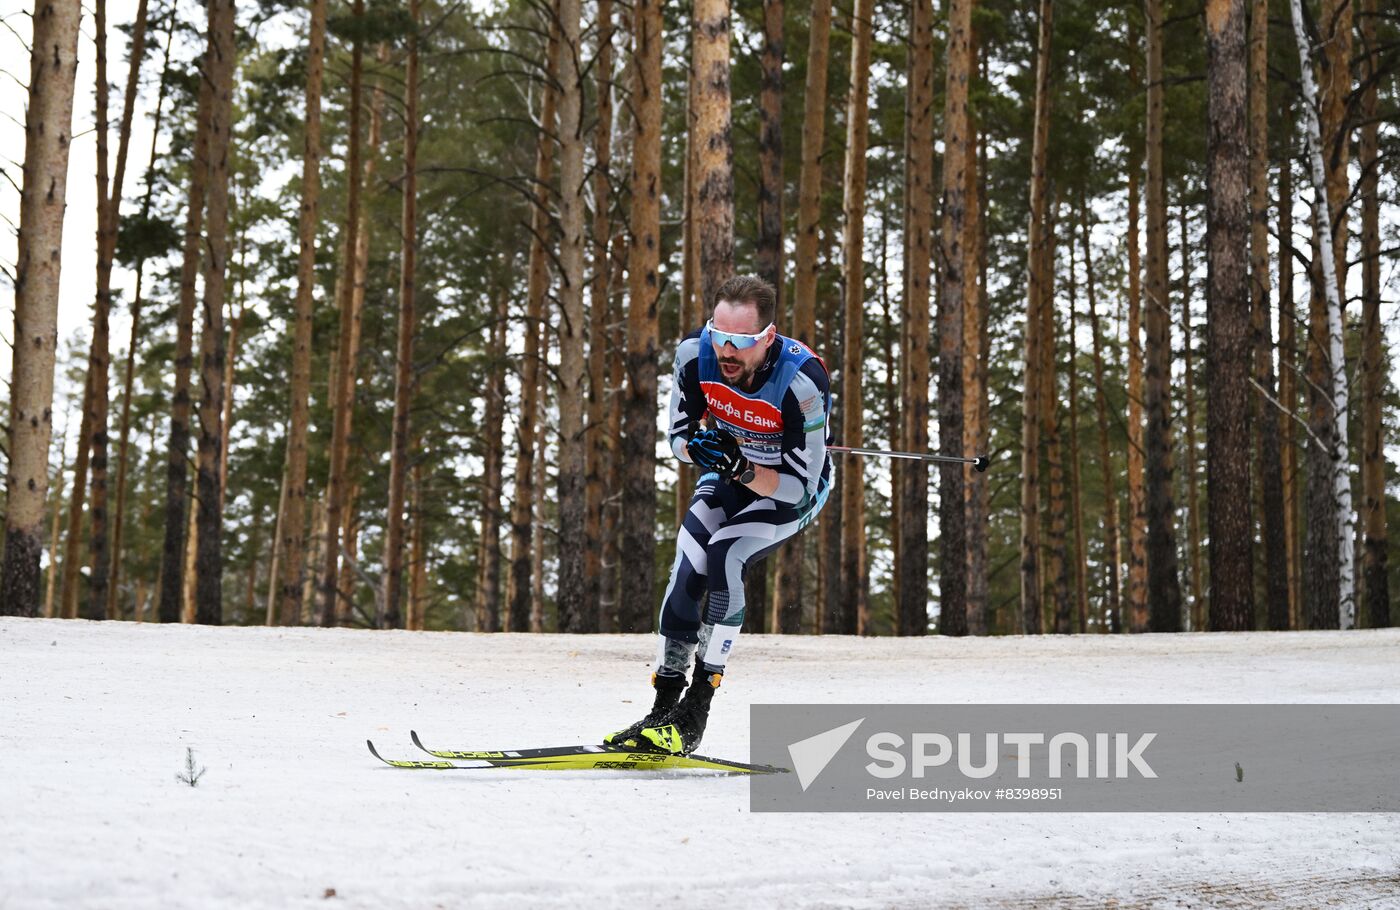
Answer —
(980, 462)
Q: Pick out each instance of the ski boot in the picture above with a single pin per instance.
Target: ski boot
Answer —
(680, 730)
(668, 693)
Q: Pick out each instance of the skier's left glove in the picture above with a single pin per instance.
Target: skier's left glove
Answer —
(717, 450)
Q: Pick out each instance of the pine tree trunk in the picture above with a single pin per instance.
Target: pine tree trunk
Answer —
(77, 500)
(1273, 526)
(350, 518)
(418, 556)
(809, 192)
(1287, 367)
(1076, 505)
(177, 480)
(1375, 578)
(598, 319)
(521, 523)
(55, 527)
(1163, 584)
(977, 348)
(911, 546)
(787, 592)
(538, 620)
(1136, 604)
(609, 579)
(956, 278)
(100, 592)
(1037, 242)
(235, 333)
(294, 528)
(48, 130)
(855, 604)
(574, 616)
(1330, 605)
(342, 378)
(274, 577)
(638, 462)
(769, 247)
(98, 353)
(128, 385)
(220, 61)
(1197, 609)
(1113, 548)
(1056, 576)
(488, 592)
(392, 615)
(1228, 337)
(692, 308)
(714, 160)
(768, 253)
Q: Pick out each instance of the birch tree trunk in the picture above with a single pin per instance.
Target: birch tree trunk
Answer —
(636, 593)
(1228, 341)
(220, 60)
(48, 131)
(1336, 441)
(521, 524)
(853, 552)
(1034, 357)
(574, 615)
(1375, 578)
(1163, 584)
(404, 383)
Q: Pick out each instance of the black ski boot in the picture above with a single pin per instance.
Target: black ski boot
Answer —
(668, 693)
(679, 731)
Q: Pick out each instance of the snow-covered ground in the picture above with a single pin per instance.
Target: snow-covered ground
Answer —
(95, 720)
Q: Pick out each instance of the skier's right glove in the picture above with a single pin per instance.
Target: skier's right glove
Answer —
(717, 450)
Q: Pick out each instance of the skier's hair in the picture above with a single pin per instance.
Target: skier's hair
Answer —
(750, 290)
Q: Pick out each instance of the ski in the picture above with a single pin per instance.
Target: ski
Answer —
(572, 758)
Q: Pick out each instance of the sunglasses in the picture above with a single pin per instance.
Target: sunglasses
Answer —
(738, 339)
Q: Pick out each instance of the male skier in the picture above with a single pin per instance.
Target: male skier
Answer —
(765, 476)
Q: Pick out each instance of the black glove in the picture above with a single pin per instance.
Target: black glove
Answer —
(717, 450)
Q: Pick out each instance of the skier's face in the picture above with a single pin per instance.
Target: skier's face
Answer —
(735, 365)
